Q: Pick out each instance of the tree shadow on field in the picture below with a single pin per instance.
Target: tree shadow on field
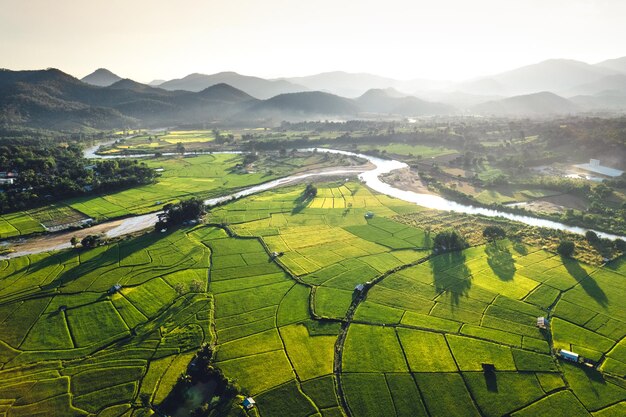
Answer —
(585, 280)
(451, 276)
(520, 248)
(107, 256)
(301, 203)
(491, 381)
(22, 289)
(500, 261)
(104, 258)
(428, 240)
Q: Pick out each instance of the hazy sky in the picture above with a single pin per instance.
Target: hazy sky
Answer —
(438, 39)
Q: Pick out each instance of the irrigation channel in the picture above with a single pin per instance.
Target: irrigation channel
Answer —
(369, 176)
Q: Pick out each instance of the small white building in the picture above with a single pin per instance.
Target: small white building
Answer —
(542, 323)
(248, 403)
(595, 167)
(115, 288)
(359, 288)
(570, 356)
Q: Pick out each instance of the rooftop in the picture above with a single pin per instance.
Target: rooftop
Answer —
(595, 167)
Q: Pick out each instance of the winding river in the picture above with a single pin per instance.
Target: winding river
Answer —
(370, 177)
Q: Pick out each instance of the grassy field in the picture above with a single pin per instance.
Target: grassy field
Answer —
(18, 224)
(202, 176)
(415, 342)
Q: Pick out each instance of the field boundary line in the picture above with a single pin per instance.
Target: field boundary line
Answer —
(341, 338)
(408, 366)
(33, 325)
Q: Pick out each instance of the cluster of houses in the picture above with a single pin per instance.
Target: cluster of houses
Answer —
(7, 177)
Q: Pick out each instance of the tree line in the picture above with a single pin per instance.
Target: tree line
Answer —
(44, 171)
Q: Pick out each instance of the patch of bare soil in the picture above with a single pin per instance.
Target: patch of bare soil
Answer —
(465, 187)
(457, 172)
(406, 179)
(540, 206)
(57, 241)
(567, 201)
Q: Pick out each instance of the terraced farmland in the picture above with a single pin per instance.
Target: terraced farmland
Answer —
(271, 283)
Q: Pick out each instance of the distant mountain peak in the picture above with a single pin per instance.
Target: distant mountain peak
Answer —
(101, 77)
(543, 103)
(128, 84)
(156, 83)
(383, 92)
(226, 92)
(617, 64)
(255, 86)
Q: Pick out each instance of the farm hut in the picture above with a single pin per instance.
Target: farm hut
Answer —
(567, 355)
(248, 403)
(369, 215)
(115, 288)
(542, 323)
(359, 287)
(488, 368)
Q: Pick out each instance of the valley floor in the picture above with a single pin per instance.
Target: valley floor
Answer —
(271, 281)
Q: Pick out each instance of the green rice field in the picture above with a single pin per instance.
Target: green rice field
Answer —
(202, 176)
(270, 283)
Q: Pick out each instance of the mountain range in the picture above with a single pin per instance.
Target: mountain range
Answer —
(53, 99)
(560, 76)
(255, 86)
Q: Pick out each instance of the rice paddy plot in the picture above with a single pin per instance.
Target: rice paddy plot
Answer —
(18, 224)
(321, 391)
(95, 323)
(363, 346)
(53, 216)
(312, 356)
(566, 334)
(286, 399)
(499, 393)
(445, 394)
(273, 366)
(564, 401)
(470, 354)
(367, 394)
(405, 396)
(426, 351)
(591, 388)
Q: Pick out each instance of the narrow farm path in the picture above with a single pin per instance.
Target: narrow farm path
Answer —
(345, 325)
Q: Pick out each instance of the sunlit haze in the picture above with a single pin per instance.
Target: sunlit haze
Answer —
(444, 39)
